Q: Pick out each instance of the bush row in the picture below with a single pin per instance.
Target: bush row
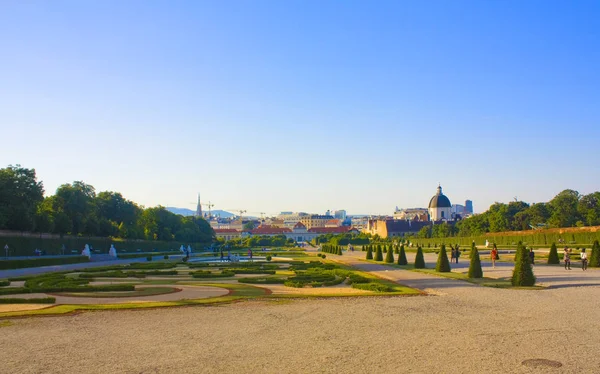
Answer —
(333, 249)
(42, 261)
(38, 300)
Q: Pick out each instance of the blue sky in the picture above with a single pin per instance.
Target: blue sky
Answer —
(304, 105)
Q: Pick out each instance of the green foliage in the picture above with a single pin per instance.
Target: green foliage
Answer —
(378, 253)
(402, 256)
(166, 257)
(419, 259)
(4, 283)
(369, 253)
(389, 256)
(58, 282)
(475, 265)
(268, 258)
(522, 273)
(553, 255)
(376, 287)
(20, 195)
(149, 258)
(442, 265)
(594, 260)
(42, 261)
(39, 300)
(261, 280)
(208, 274)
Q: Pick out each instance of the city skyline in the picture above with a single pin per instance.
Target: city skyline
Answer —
(266, 106)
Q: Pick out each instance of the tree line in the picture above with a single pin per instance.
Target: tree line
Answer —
(76, 209)
(567, 209)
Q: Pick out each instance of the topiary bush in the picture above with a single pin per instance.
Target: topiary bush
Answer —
(376, 287)
(594, 260)
(166, 257)
(389, 256)
(378, 254)
(369, 253)
(149, 258)
(475, 265)
(522, 273)
(442, 265)
(268, 258)
(419, 259)
(553, 255)
(39, 300)
(4, 283)
(402, 256)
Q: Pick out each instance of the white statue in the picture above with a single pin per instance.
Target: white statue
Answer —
(86, 251)
(112, 251)
(182, 249)
(189, 249)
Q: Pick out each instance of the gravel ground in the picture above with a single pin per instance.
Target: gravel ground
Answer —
(467, 330)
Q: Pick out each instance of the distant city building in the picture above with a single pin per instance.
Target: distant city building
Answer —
(333, 223)
(440, 207)
(386, 227)
(315, 220)
(413, 214)
(340, 214)
(468, 207)
(458, 209)
(199, 208)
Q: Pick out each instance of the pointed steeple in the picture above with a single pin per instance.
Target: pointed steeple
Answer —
(199, 208)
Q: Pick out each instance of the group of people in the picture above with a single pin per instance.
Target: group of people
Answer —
(567, 259)
(454, 254)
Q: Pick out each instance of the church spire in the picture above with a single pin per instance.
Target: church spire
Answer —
(199, 208)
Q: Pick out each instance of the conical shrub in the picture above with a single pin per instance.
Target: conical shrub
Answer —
(475, 265)
(378, 253)
(402, 256)
(369, 253)
(419, 259)
(594, 260)
(553, 255)
(389, 257)
(522, 273)
(396, 251)
(442, 265)
(473, 246)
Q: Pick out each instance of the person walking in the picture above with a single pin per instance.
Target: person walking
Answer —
(584, 260)
(531, 256)
(457, 254)
(494, 255)
(452, 254)
(567, 258)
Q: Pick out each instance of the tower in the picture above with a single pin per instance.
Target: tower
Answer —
(199, 208)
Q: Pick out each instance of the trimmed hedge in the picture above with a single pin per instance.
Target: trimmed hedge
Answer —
(370, 253)
(208, 274)
(475, 265)
(553, 255)
(251, 271)
(38, 300)
(376, 287)
(42, 261)
(419, 259)
(442, 265)
(402, 256)
(265, 280)
(4, 283)
(389, 256)
(594, 261)
(522, 273)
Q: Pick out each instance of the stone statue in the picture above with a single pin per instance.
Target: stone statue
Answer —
(86, 251)
(189, 249)
(182, 249)
(112, 251)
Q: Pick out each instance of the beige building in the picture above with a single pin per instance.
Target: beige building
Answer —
(315, 220)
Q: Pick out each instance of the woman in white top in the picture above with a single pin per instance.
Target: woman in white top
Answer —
(584, 259)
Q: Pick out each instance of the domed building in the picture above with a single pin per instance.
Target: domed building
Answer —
(440, 207)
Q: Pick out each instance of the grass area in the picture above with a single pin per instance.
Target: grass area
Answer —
(146, 291)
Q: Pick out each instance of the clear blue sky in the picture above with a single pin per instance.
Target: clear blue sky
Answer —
(304, 105)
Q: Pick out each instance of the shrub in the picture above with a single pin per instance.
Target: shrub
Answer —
(396, 250)
(323, 256)
(39, 300)
(251, 271)
(442, 265)
(419, 259)
(475, 265)
(594, 260)
(522, 273)
(355, 278)
(389, 257)
(166, 257)
(208, 274)
(37, 262)
(553, 255)
(4, 283)
(265, 280)
(402, 256)
(377, 287)
(268, 258)
(378, 254)
(149, 258)
(369, 253)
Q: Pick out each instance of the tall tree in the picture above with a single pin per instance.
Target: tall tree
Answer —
(564, 209)
(20, 193)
